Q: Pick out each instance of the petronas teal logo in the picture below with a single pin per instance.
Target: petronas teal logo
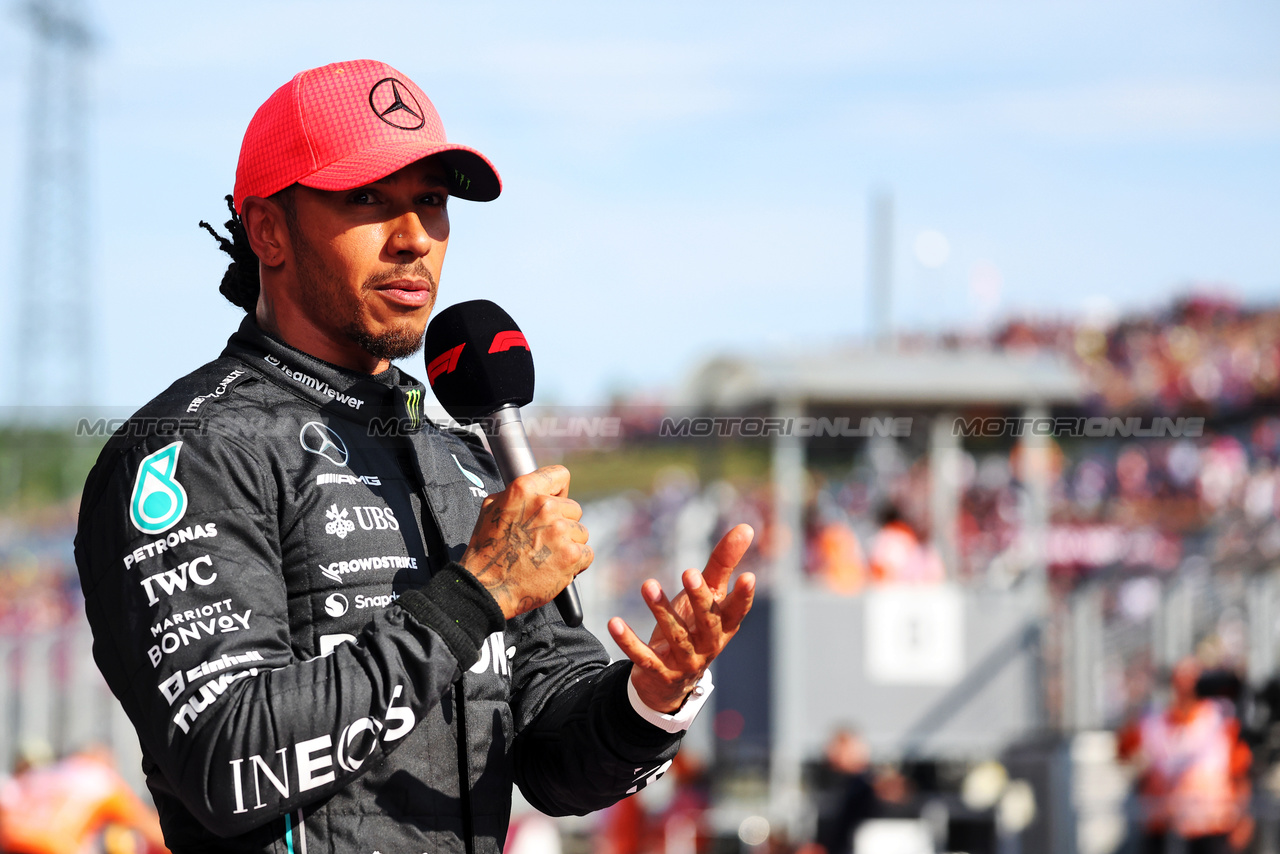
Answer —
(158, 499)
(477, 482)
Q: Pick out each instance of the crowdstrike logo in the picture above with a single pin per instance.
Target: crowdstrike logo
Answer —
(339, 568)
(320, 439)
(158, 500)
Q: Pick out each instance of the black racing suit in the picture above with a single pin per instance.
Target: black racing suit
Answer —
(266, 556)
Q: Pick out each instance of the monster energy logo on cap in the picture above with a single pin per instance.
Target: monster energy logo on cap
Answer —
(158, 500)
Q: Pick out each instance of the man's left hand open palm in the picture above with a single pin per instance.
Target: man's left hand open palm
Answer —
(692, 629)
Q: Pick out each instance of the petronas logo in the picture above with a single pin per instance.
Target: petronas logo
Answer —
(158, 499)
(413, 402)
(475, 481)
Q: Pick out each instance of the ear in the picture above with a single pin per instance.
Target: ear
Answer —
(267, 230)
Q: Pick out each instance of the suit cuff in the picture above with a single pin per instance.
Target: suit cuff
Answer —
(458, 608)
(683, 717)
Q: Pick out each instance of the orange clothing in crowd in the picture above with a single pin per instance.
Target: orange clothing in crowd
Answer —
(1194, 770)
(63, 809)
(835, 557)
(898, 557)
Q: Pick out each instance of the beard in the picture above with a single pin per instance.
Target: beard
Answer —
(345, 311)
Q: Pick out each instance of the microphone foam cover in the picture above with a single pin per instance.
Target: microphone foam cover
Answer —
(477, 360)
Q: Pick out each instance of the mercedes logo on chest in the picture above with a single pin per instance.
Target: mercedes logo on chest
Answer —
(392, 102)
(320, 439)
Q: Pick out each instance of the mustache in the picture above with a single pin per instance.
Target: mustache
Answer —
(417, 270)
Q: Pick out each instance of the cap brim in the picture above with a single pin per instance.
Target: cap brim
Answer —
(471, 175)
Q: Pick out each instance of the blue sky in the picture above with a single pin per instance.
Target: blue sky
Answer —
(685, 181)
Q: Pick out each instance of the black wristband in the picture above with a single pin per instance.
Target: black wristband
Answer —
(458, 608)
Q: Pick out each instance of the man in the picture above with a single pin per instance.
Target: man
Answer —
(332, 639)
(1193, 771)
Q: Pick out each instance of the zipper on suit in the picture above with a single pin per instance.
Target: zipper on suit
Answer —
(464, 767)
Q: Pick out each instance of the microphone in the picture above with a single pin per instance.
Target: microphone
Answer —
(480, 368)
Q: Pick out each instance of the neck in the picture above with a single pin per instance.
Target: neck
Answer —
(282, 320)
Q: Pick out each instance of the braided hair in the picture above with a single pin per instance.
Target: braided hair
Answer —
(240, 284)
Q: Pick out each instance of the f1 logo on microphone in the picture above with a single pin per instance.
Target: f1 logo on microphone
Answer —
(504, 341)
(445, 363)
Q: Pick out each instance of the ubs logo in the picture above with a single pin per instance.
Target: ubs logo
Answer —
(392, 102)
(320, 439)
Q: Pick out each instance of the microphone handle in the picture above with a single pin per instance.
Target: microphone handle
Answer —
(511, 451)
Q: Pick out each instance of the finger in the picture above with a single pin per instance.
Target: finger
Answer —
(554, 480)
(578, 533)
(566, 507)
(634, 648)
(672, 628)
(702, 602)
(736, 605)
(725, 556)
(584, 560)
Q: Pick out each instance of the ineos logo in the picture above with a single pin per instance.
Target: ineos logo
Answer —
(320, 439)
(392, 102)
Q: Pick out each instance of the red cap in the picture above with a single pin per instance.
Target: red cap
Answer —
(348, 124)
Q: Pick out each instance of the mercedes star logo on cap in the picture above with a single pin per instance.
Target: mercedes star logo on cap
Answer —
(387, 98)
(320, 439)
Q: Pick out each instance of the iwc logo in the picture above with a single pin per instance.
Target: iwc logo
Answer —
(392, 102)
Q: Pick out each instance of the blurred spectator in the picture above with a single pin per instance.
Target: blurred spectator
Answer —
(1193, 771)
(899, 557)
(845, 792)
(76, 806)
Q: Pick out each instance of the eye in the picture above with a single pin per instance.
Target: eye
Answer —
(361, 196)
(435, 200)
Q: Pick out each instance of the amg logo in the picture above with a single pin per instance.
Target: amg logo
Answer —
(366, 479)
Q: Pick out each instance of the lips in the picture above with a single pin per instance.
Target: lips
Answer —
(410, 293)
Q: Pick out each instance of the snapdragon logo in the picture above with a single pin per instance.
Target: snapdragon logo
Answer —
(158, 500)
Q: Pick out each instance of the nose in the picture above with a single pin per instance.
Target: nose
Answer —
(409, 239)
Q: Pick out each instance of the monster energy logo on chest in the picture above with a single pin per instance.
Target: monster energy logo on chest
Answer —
(413, 403)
